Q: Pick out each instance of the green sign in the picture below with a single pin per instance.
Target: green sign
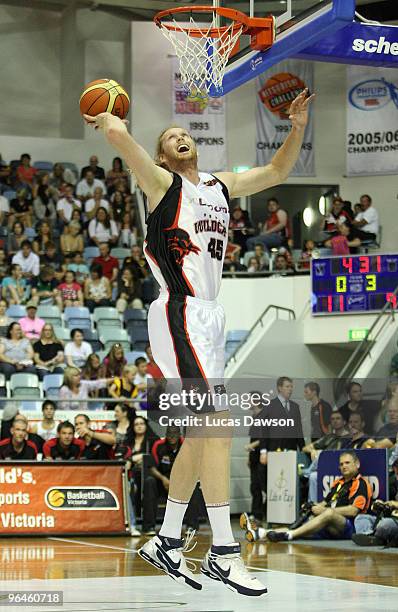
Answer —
(355, 335)
(239, 169)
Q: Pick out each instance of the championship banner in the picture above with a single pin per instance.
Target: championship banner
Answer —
(276, 89)
(373, 467)
(61, 498)
(204, 118)
(372, 120)
(282, 485)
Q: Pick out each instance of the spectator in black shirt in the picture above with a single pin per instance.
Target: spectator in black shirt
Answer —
(97, 443)
(354, 402)
(54, 260)
(18, 447)
(48, 353)
(65, 447)
(387, 436)
(356, 426)
(320, 411)
(257, 464)
(99, 173)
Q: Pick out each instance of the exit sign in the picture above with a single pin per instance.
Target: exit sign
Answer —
(239, 169)
(357, 334)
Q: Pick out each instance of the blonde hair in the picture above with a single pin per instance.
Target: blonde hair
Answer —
(129, 369)
(159, 147)
(53, 336)
(68, 375)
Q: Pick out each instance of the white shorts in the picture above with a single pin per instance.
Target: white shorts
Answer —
(187, 341)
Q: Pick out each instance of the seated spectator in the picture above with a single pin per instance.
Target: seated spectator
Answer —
(115, 361)
(366, 223)
(80, 268)
(337, 215)
(117, 172)
(75, 391)
(4, 207)
(152, 367)
(93, 204)
(123, 386)
(15, 289)
(97, 289)
(233, 264)
(306, 254)
(31, 325)
(44, 287)
(85, 187)
(5, 176)
(118, 205)
(94, 168)
(43, 238)
(141, 380)
(15, 238)
(344, 241)
(108, 263)
(321, 411)
(47, 427)
(137, 262)
(274, 232)
(18, 447)
(281, 265)
(60, 177)
(3, 264)
(103, 229)
(25, 172)
(93, 370)
(4, 318)
(53, 259)
(44, 199)
(65, 447)
(29, 261)
(128, 231)
(21, 208)
(129, 291)
(358, 438)
(387, 435)
(16, 353)
(48, 353)
(97, 442)
(355, 401)
(334, 517)
(72, 239)
(254, 265)
(66, 205)
(77, 351)
(69, 292)
(241, 227)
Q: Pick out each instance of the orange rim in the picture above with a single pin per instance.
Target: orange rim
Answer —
(240, 18)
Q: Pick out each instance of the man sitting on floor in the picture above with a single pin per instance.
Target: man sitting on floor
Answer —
(333, 518)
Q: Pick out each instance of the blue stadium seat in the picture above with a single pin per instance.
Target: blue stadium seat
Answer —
(135, 316)
(133, 355)
(50, 314)
(89, 253)
(77, 316)
(120, 253)
(113, 335)
(52, 384)
(47, 166)
(10, 194)
(107, 316)
(25, 384)
(16, 312)
(139, 337)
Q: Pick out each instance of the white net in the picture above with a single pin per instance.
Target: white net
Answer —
(203, 59)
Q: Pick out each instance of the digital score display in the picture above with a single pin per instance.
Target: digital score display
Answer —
(356, 283)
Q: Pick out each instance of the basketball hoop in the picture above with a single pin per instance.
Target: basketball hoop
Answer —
(203, 51)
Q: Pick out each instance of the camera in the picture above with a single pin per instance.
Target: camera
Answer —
(381, 509)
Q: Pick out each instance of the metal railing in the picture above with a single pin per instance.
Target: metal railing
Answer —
(259, 322)
(363, 349)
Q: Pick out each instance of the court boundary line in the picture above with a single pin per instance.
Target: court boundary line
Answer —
(251, 567)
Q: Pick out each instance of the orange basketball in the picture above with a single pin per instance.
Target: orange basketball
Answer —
(279, 91)
(104, 96)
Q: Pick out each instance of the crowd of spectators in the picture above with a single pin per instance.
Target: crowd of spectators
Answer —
(270, 247)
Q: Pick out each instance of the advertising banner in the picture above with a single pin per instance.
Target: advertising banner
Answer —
(282, 487)
(61, 498)
(373, 468)
(276, 89)
(372, 120)
(204, 118)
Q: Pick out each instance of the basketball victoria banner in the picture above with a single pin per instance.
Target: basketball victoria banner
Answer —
(204, 119)
(372, 120)
(276, 89)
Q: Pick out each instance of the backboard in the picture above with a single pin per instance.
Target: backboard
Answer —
(299, 23)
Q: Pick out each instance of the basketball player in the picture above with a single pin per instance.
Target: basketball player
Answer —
(185, 247)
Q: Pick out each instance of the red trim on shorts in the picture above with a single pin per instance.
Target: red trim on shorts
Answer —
(191, 345)
(171, 336)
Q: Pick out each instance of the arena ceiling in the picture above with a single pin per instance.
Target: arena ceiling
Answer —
(378, 10)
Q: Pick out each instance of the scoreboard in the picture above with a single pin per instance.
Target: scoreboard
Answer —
(354, 284)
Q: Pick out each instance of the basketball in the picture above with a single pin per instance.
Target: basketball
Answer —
(104, 96)
(279, 91)
(56, 498)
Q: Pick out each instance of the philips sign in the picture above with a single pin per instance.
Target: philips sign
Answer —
(381, 46)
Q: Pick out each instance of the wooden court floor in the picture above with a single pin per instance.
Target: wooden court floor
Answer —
(24, 559)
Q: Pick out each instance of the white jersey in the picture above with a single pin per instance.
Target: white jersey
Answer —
(187, 237)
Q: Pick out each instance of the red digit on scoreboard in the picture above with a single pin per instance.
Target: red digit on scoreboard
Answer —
(330, 303)
(390, 297)
(341, 303)
(378, 263)
(347, 264)
(364, 264)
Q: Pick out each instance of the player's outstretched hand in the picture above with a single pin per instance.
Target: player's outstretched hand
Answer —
(298, 112)
(104, 120)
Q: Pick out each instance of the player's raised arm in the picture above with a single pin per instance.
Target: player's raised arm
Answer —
(153, 180)
(276, 172)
